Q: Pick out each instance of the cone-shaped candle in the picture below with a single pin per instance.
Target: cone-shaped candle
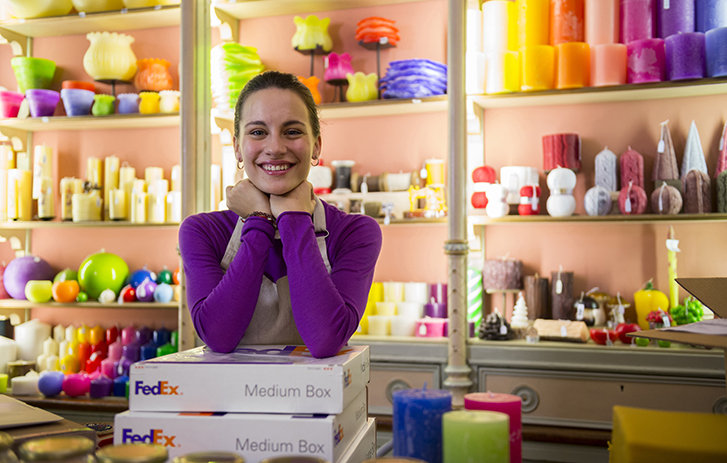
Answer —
(693, 153)
(606, 170)
(632, 168)
(665, 165)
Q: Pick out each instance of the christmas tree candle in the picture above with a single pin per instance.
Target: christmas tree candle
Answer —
(665, 165)
(693, 153)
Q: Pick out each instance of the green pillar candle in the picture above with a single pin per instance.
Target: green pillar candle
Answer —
(475, 436)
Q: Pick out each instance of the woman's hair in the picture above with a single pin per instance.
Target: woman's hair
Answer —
(283, 81)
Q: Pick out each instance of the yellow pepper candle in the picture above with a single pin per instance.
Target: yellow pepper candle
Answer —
(648, 300)
(537, 64)
(574, 65)
(533, 22)
(475, 436)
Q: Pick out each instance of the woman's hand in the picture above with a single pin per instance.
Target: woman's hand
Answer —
(244, 198)
(300, 198)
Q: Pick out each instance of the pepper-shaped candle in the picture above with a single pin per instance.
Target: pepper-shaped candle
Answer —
(537, 67)
(676, 16)
(716, 52)
(606, 168)
(646, 61)
(509, 404)
(476, 436)
(603, 22)
(574, 65)
(608, 64)
(685, 56)
(312, 33)
(693, 153)
(532, 22)
(711, 14)
(566, 21)
(665, 165)
(637, 20)
(417, 426)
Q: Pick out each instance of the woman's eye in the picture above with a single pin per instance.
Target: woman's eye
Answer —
(294, 132)
(257, 132)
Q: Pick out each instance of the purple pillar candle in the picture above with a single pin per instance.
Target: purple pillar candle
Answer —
(685, 56)
(128, 335)
(143, 335)
(711, 14)
(438, 291)
(716, 52)
(132, 352)
(676, 16)
(435, 309)
(101, 387)
(161, 336)
(646, 61)
(637, 20)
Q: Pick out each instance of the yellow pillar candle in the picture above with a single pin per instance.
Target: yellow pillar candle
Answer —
(470, 436)
(22, 161)
(111, 180)
(94, 172)
(46, 209)
(69, 187)
(153, 173)
(117, 205)
(379, 325)
(7, 155)
(12, 193)
(158, 190)
(127, 177)
(537, 64)
(139, 205)
(42, 167)
(574, 65)
(25, 195)
(3, 195)
(533, 22)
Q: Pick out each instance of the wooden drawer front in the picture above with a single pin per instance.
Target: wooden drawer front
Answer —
(388, 377)
(562, 398)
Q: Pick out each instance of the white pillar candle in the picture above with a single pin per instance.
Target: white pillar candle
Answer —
(386, 308)
(52, 363)
(402, 325)
(416, 292)
(177, 178)
(379, 325)
(606, 168)
(30, 336)
(139, 204)
(153, 173)
(410, 309)
(59, 333)
(157, 199)
(174, 207)
(42, 167)
(70, 333)
(25, 385)
(7, 156)
(63, 348)
(393, 291)
(127, 177)
(50, 346)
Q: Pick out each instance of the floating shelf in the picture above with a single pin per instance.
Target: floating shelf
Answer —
(65, 123)
(244, 9)
(630, 92)
(413, 221)
(38, 224)
(482, 219)
(21, 304)
(72, 24)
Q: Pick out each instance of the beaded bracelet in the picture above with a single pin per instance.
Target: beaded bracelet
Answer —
(269, 217)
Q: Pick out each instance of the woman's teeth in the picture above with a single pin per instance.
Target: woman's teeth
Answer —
(276, 168)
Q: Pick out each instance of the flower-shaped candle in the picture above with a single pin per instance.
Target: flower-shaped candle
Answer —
(362, 87)
(110, 56)
(337, 66)
(153, 75)
(312, 84)
(373, 29)
(312, 33)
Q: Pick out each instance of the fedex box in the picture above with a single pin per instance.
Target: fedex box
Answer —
(257, 379)
(363, 447)
(254, 436)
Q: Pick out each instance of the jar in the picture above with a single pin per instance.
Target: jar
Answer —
(128, 103)
(169, 102)
(153, 74)
(149, 103)
(110, 56)
(6, 449)
(73, 449)
(133, 453)
(209, 457)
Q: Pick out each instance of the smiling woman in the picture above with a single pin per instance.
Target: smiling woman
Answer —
(280, 266)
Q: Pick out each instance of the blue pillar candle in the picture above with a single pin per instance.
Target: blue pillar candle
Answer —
(120, 386)
(716, 46)
(685, 56)
(101, 387)
(676, 16)
(711, 14)
(161, 336)
(418, 422)
(148, 351)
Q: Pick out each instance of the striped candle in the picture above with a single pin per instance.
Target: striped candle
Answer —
(474, 295)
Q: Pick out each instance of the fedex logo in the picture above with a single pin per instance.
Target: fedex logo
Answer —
(161, 388)
(347, 378)
(155, 436)
(338, 435)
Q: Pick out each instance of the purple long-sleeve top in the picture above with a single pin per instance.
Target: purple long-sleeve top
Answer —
(326, 307)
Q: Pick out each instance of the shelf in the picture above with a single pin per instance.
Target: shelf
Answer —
(244, 9)
(481, 219)
(22, 304)
(40, 224)
(413, 221)
(65, 123)
(630, 92)
(72, 24)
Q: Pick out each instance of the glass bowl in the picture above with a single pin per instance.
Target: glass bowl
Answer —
(77, 101)
(92, 6)
(25, 9)
(128, 103)
(10, 103)
(33, 72)
(41, 102)
(103, 105)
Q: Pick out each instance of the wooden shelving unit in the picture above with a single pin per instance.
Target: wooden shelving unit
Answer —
(40, 224)
(66, 123)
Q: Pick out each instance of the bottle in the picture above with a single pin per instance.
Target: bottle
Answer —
(58, 450)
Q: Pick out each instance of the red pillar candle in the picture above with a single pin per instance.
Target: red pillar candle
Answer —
(608, 64)
(574, 65)
(509, 404)
(111, 334)
(603, 22)
(566, 21)
(637, 20)
(632, 168)
(646, 61)
(562, 150)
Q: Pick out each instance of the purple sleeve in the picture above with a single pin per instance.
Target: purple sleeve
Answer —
(327, 307)
(222, 303)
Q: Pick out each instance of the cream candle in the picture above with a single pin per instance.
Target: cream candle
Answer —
(25, 385)
(94, 172)
(111, 180)
(416, 292)
(393, 291)
(646, 61)
(3, 195)
(42, 167)
(46, 206)
(386, 308)
(475, 435)
(602, 22)
(402, 325)
(153, 173)
(177, 178)
(417, 422)
(30, 336)
(379, 325)
(139, 206)
(608, 64)
(503, 72)
(537, 67)
(117, 205)
(509, 404)
(410, 309)
(52, 363)
(70, 333)
(174, 207)
(69, 187)
(11, 194)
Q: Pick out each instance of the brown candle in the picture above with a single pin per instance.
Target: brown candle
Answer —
(536, 297)
(561, 295)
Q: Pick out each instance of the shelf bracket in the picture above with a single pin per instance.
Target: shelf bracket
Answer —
(16, 136)
(18, 43)
(227, 25)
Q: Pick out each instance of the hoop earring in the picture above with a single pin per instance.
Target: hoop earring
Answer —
(317, 162)
(240, 165)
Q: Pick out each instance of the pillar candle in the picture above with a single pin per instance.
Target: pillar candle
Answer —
(148, 351)
(410, 309)
(537, 67)
(12, 194)
(561, 295)
(566, 21)
(94, 172)
(608, 64)
(632, 168)
(417, 422)
(393, 291)
(533, 22)
(3, 383)
(157, 200)
(665, 164)
(59, 333)
(711, 14)
(30, 336)
(386, 308)
(646, 61)
(693, 153)
(435, 309)
(562, 150)
(25, 385)
(675, 16)
(379, 325)
(474, 30)
(117, 205)
(101, 387)
(402, 325)
(139, 206)
(574, 65)
(722, 157)
(112, 334)
(536, 297)
(429, 327)
(20, 195)
(42, 167)
(499, 26)
(52, 363)
(127, 177)
(3, 195)
(637, 20)
(503, 72)
(416, 292)
(716, 54)
(69, 187)
(510, 405)
(177, 178)
(153, 173)
(111, 180)
(476, 435)
(46, 209)
(697, 193)
(606, 169)
(174, 207)
(215, 186)
(722, 192)
(7, 156)
(438, 291)
(685, 56)
(161, 336)
(603, 21)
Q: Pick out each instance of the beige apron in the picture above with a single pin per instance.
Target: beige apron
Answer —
(272, 322)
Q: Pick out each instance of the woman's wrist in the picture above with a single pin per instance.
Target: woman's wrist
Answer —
(263, 215)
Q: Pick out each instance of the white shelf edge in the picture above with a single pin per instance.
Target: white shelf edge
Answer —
(67, 123)
(245, 9)
(483, 220)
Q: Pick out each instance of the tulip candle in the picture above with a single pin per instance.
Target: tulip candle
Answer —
(685, 56)
(537, 67)
(417, 426)
(561, 150)
(637, 20)
(716, 52)
(509, 404)
(608, 64)
(602, 22)
(646, 61)
(574, 65)
(475, 436)
(566, 21)
(711, 14)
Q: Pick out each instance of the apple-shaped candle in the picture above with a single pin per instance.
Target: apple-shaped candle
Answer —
(561, 202)
(603, 336)
(622, 329)
(482, 177)
(496, 201)
(127, 295)
(163, 293)
(529, 200)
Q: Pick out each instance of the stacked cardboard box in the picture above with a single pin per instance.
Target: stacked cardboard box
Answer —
(257, 401)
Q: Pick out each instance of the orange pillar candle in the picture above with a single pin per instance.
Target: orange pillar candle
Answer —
(602, 22)
(574, 65)
(533, 19)
(566, 21)
(537, 65)
(608, 64)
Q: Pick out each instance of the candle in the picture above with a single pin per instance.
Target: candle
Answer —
(52, 363)
(693, 153)
(672, 246)
(722, 192)
(503, 72)
(114, 355)
(19, 196)
(438, 291)
(606, 169)
(379, 325)
(513, 178)
(3, 195)
(7, 155)
(675, 16)
(510, 405)
(46, 209)
(3, 383)
(562, 295)
(574, 65)
(161, 336)
(697, 193)
(12, 194)
(537, 67)
(30, 336)
(685, 56)
(101, 387)
(139, 205)
(111, 180)
(127, 177)
(479, 436)
(602, 22)
(177, 178)
(128, 335)
(475, 294)
(435, 309)
(646, 61)
(120, 386)
(117, 205)
(402, 325)
(148, 351)
(25, 385)
(532, 22)
(42, 167)
(499, 30)
(69, 187)
(386, 308)
(561, 150)
(93, 364)
(50, 383)
(153, 173)
(716, 52)
(429, 327)
(111, 334)
(94, 172)
(637, 20)
(416, 292)
(711, 14)
(174, 207)
(157, 201)
(536, 297)
(393, 291)
(608, 64)
(566, 21)
(143, 335)
(632, 168)
(75, 385)
(417, 422)
(70, 333)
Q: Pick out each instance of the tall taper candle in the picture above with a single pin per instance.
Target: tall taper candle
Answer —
(672, 246)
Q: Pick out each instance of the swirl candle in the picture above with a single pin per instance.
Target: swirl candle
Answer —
(477, 435)
(716, 52)
(537, 67)
(532, 22)
(685, 56)
(646, 61)
(711, 14)
(676, 16)
(566, 21)
(637, 20)
(417, 424)
(509, 404)
(608, 64)
(574, 65)
(603, 22)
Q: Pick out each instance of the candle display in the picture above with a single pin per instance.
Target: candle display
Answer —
(608, 65)
(417, 422)
(561, 295)
(693, 153)
(665, 164)
(685, 56)
(716, 52)
(476, 436)
(697, 192)
(597, 201)
(561, 150)
(646, 61)
(675, 16)
(603, 22)
(574, 65)
(711, 14)
(566, 21)
(637, 20)
(536, 296)
(537, 67)
(632, 199)
(532, 23)
(632, 168)
(606, 169)
(510, 405)
(666, 200)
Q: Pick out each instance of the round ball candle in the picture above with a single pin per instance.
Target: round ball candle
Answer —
(566, 21)
(685, 56)
(509, 404)
(646, 61)
(675, 16)
(50, 383)
(417, 423)
(637, 20)
(574, 65)
(711, 14)
(475, 436)
(716, 52)
(537, 67)
(608, 64)
(603, 22)
(75, 385)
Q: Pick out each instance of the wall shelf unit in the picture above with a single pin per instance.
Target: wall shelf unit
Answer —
(56, 224)
(23, 304)
(66, 123)
(244, 9)
(482, 219)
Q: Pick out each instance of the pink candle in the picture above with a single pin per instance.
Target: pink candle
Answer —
(509, 404)
(637, 20)
(128, 335)
(107, 365)
(608, 64)
(646, 61)
(632, 168)
(430, 327)
(602, 22)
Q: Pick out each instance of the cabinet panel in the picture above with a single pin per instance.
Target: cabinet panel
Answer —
(389, 377)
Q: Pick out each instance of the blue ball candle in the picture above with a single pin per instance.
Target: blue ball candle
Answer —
(50, 383)
(418, 422)
(716, 41)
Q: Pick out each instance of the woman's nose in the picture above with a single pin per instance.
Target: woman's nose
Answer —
(274, 145)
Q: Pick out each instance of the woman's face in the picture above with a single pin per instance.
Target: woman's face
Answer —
(277, 145)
